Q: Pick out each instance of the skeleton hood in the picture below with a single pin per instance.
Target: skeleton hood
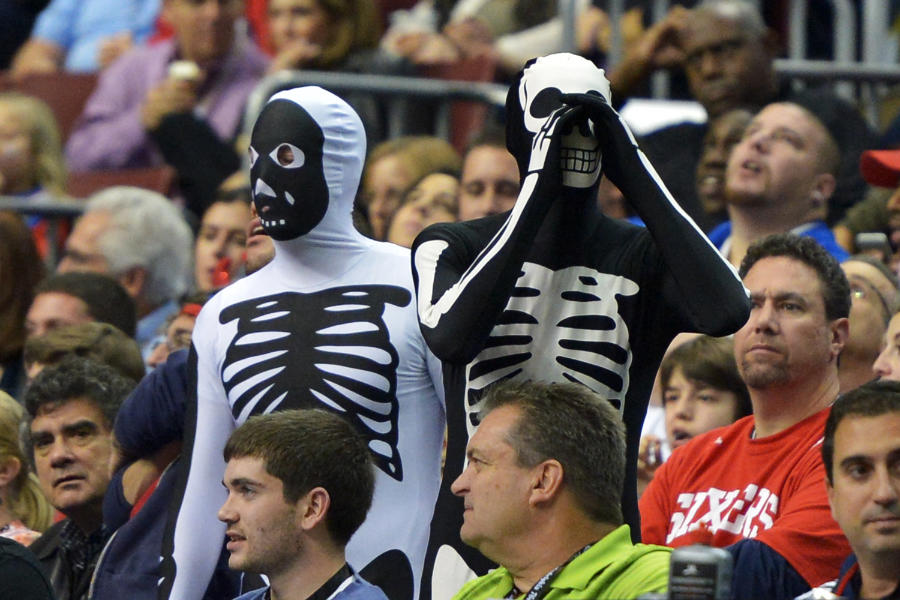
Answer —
(306, 157)
(531, 105)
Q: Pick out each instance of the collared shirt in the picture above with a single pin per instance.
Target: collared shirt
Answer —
(110, 134)
(612, 568)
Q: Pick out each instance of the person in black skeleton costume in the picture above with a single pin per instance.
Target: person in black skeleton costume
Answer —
(330, 322)
(554, 290)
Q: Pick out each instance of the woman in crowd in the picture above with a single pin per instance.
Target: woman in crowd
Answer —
(20, 271)
(221, 240)
(31, 159)
(392, 167)
(431, 200)
(321, 34)
(24, 511)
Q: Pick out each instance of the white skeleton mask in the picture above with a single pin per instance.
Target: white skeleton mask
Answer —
(540, 89)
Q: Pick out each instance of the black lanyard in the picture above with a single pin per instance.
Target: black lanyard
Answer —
(542, 587)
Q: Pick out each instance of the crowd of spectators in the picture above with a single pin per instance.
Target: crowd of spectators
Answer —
(797, 190)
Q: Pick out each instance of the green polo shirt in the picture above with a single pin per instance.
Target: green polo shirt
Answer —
(612, 569)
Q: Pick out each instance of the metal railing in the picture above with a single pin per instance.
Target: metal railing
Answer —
(394, 89)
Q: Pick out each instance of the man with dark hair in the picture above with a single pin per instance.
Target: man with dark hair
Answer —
(489, 180)
(755, 487)
(542, 497)
(73, 298)
(73, 406)
(300, 483)
(861, 453)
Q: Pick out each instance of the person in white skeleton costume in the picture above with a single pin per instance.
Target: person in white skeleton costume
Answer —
(553, 290)
(330, 322)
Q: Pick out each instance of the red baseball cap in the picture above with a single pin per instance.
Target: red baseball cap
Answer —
(881, 167)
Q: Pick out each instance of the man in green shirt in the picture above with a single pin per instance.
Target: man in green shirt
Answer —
(541, 494)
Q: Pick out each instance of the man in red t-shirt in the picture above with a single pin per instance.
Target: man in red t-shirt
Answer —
(757, 487)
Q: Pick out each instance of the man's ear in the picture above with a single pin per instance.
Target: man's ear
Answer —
(312, 508)
(829, 489)
(547, 481)
(133, 280)
(840, 332)
(823, 187)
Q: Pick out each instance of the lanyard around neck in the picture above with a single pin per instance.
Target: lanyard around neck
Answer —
(542, 587)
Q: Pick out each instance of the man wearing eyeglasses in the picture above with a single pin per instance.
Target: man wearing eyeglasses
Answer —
(873, 300)
(728, 55)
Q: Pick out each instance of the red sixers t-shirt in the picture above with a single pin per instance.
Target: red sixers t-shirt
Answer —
(723, 487)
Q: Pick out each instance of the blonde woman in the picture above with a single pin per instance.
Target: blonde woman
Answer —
(31, 160)
(24, 511)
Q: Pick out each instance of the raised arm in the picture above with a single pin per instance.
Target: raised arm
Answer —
(701, 283)
(464, 273)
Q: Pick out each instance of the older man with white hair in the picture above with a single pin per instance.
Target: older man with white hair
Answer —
(140, 239)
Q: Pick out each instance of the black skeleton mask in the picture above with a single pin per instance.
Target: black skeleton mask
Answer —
(286, 173)
(532, 104)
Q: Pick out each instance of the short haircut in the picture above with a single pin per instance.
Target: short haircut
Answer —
(835, 289)
(491, 134)
(828, 154)
(872, 399)
(312, 448)
(100, 342)
(145, 230)
(711, 361)
(742, 13)
(106, 299)
(76, 377)
(573, 425)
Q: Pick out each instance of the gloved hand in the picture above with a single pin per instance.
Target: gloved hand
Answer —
(620, 157)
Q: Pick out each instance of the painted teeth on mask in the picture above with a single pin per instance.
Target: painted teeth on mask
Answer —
(272, 223)
(578, 161)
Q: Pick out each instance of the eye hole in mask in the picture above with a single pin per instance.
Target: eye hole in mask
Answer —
(545, 103)
(288, 156)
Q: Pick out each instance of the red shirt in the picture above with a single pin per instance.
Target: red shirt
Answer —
(723, 487)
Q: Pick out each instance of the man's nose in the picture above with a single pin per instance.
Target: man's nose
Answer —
(882, 365)
(226, 513)
(887, 490)
(60, 454)
(765, 318)
(460, 485)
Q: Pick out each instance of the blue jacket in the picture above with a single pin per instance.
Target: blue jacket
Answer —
(358, 589)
